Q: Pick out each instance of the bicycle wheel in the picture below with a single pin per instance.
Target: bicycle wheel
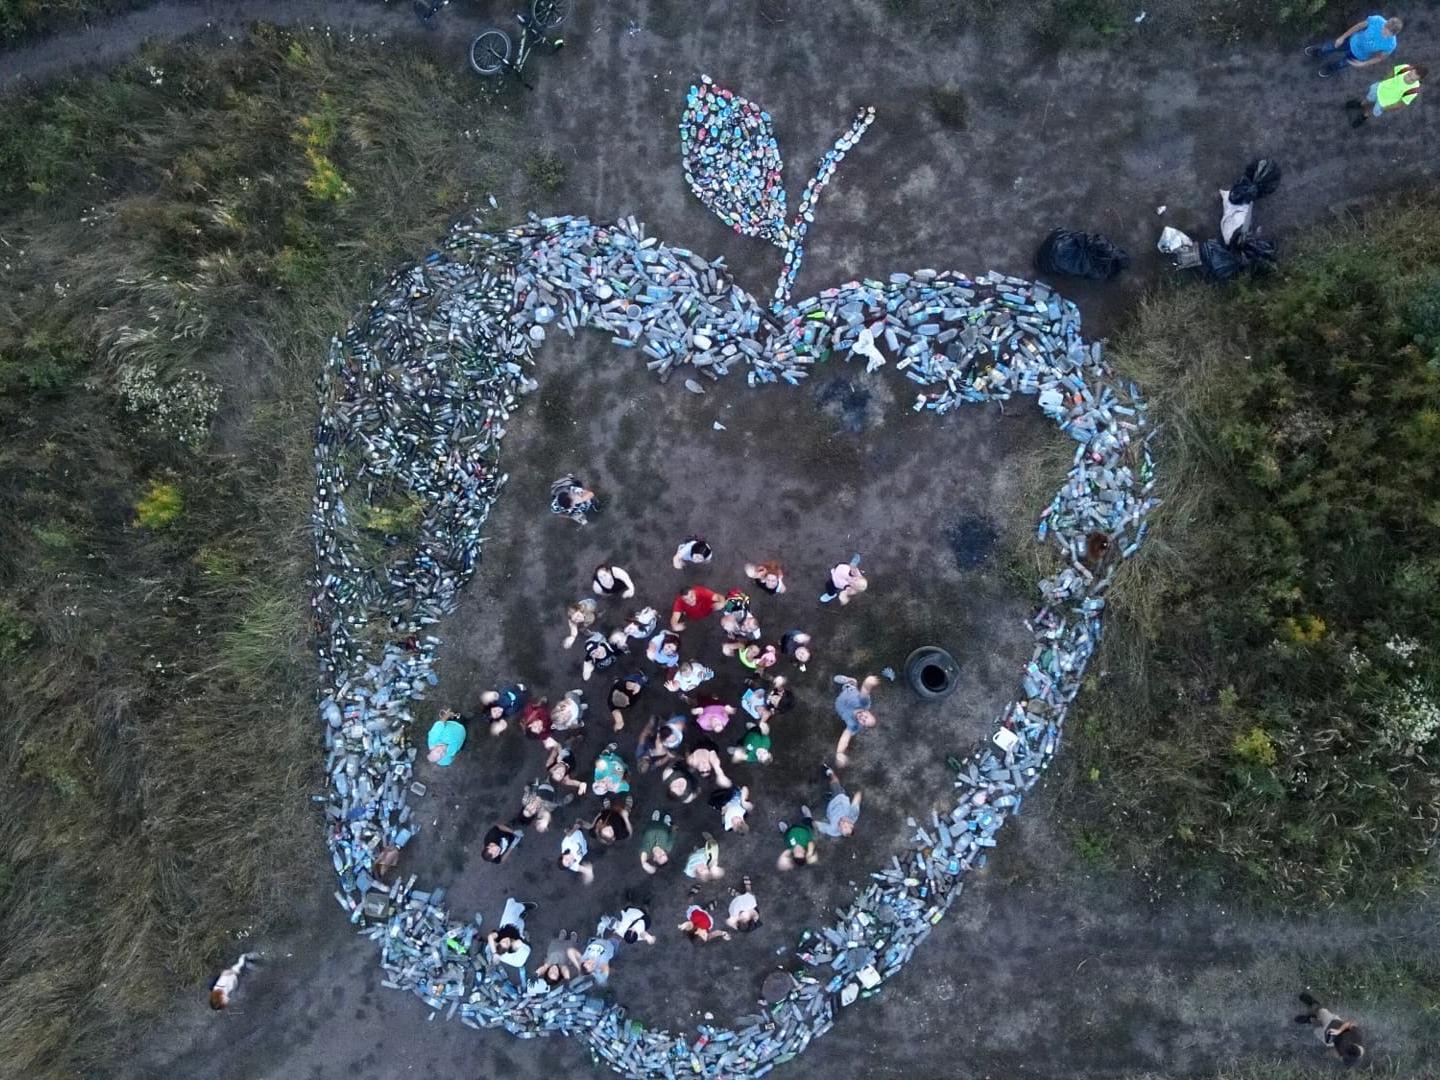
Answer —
(548, 14)
(490, 51)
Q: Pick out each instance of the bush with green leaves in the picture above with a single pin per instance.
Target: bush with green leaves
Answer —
(1270, 713)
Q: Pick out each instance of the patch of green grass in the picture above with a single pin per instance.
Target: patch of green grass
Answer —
(950, 106)
(159, 727)
(547, 172)
(1269, 718)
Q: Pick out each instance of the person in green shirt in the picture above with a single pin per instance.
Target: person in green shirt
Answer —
(1387, 95)
(656, 842)
(799, 844)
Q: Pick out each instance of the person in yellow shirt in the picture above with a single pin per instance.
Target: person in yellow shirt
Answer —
(1387, 95)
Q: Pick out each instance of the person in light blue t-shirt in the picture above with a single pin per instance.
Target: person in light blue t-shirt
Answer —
(447, 736)
(1365, 43)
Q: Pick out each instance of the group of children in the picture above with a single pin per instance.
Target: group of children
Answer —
(686, 763)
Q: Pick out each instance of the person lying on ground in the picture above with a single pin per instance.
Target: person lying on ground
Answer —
(704, 762)
(699, 926)
(507, 943)
(612, 823)
(631, 926)
(500, 704)
(852, 705)
(693, 551)
(446, 737)
(664, 649)
(537, 803)
(754, 747)
(535, 723)
(688, 677)
(733, 803)
(567, 716)
(612, 580)
(744, 912)
(679, 782)
(703, 863)
(713, 716)
(842, 811)
(500, 842)
(657, 842)
(595, 960)
(559, 767)
(573, 849)
(562, 959)
(612, 774)
(693, 603)
(799, 843)
(796, 645)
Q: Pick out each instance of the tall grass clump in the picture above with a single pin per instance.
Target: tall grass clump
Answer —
(185, 263)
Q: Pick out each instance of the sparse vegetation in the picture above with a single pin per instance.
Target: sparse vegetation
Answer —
(950, 106)
(179, 253)
(547, 173)
(1270, 713)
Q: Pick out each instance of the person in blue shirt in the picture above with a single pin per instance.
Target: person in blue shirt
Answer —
(1365, 43)
(447, 736)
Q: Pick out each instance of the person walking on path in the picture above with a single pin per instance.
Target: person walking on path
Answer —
(612, 580)
(1367, 42)
(693, 551)
(853, 706)
(507, 944)
(502, 703)
(841, 812)
(1388, 95)
(844, 582)
(1338, 1034)
(696, 602)
(569, 498)
(657, 842)
(744, 914)
(446, 737)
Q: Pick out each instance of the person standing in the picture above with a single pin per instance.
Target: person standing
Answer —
(693, 551)
(696, 602)
(571, 499)
(1387, 95)
(1367, 42)
(844, 582)
(1340, 1035)
(853, 707)
(446, 737)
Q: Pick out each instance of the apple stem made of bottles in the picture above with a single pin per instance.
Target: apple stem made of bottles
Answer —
(415, 399)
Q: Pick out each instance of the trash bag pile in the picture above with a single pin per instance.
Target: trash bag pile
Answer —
(1237, 251)
(1078, 254)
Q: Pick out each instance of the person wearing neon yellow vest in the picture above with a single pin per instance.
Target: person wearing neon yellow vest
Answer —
(1387, 95)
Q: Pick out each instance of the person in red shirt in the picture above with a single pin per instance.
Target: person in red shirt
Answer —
(699, 925)
(696, 602)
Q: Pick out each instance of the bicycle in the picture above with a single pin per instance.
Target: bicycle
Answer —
(491, 51)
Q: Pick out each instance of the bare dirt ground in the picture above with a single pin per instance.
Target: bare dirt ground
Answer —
(1045, 970)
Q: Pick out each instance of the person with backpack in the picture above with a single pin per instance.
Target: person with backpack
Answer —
(1388, 95)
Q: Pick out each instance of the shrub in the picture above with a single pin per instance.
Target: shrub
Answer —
(547, 172)
(161, 505)
(1270, 701)
(950, 106)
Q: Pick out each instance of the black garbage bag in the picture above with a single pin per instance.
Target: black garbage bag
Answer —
(1259, 254)
(1265, 175)
(1261, 178)
(1219, 262)
(1086, 255)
